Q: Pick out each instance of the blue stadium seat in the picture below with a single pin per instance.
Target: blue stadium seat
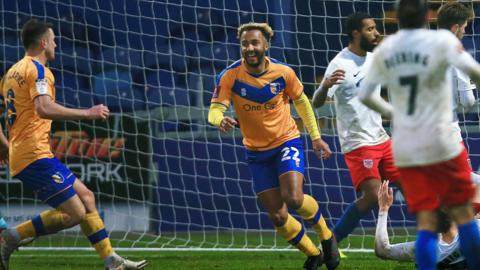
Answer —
(164, 90)
(11, 51)
(116, 90)
(161, 24)
(73, 90)
(190, 15)
(203, 84)
(101, 30)
(125, 58)
(9, 23)
(68, 22)
(25, 6)
(231, 37)
(216, 54)
(75, 57)
(178, 59)
(277, 53)
(157, 59)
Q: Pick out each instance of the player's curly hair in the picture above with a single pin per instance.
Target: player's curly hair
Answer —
(453, 13)
(263, 27)
(355, 22)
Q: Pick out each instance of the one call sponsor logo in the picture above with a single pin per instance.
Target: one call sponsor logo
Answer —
(258, 107)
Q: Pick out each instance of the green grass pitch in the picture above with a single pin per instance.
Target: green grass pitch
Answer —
(193, 260)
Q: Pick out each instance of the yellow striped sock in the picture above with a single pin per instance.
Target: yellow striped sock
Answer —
(93, 227)
(52, 221)
(47, 222)
(26, 229)
(310, 212)
(295, 234)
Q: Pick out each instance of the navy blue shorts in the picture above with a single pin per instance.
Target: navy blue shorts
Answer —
(51, 181)
(267, 166)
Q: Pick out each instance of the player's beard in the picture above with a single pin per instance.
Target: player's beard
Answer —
(367, 45)
(50, 55)
(260, 59)
(459, 35)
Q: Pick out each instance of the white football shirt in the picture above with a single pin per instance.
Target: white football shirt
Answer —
(413, 63)
(357, 125)
(447, 253)
(462, 88)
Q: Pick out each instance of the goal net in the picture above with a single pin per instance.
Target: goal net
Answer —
(163, 178)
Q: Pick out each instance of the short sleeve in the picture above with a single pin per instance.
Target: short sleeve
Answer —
(455, 53)
(39, 83)
(454, 47)
(464, 83)
(332, 67)
(293, 85)
(223, 88)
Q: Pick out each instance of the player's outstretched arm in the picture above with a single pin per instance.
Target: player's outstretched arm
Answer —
(320, 94)
(48, 109)
(383, 248)
(464, 61)
(304, 109)
(216, 117)
(382, 243)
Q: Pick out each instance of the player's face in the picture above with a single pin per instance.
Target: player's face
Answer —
(459, 30)
(253, 45)
(370, 36)
(50, 45)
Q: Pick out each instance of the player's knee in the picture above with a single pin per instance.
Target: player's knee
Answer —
(74, 218)
(79, 216)
(278, 219)
(462, 213)
(293, 201)
(367, 201)
(88, 199)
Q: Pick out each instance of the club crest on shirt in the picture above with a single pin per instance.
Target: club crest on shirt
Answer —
(275, 88)
(243, 92)
(368, 163)
(58, 178)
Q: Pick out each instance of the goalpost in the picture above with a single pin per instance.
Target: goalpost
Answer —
(163, 178)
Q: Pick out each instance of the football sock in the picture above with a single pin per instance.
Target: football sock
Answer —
(294, 233)
(426, 250)
(469, 236)
(92, 226)
(310, 212)
(47, 222)
(348, 222)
